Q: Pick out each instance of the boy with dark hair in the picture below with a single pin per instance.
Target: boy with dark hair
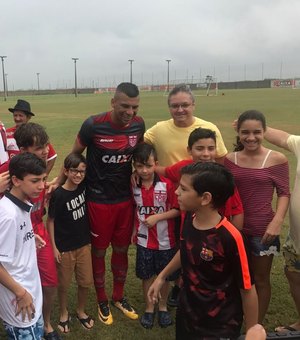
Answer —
(202, 148)
(68, 226)
(32, 137)
(20, 287)
(156, 208)
(217, 284)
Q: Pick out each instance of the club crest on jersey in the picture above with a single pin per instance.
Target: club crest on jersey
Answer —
(160, 196)
(206, 254)
(132, 140)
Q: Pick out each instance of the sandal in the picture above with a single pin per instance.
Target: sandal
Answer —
(64, 326)
(86, 322)
(164, 319)
(147, 320)
(285, 329)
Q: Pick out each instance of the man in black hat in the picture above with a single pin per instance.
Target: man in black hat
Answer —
(22, 114)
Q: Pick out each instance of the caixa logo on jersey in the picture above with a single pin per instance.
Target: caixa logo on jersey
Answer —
(132, 140)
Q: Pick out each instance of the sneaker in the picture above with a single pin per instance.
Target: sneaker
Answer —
(104, 313)
(125, 307)
(173, 297)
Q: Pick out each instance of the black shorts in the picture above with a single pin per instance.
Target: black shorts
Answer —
(150, 262)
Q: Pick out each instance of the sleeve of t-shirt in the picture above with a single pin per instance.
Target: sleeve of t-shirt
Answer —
(52, 153)
(234, 204)
(238, 255)
(8, 237)
(280, 176)
(293, 143)
(85, 133)
(52, 205)
(149, 136)
(173, 172)
(172, 196)
(221, 148)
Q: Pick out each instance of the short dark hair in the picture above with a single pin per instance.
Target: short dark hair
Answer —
(30, 134)
(248, 115)
(131, 90)
(181, 88)
(142, 153)
(211, 177)
(200, 133)
(26, 163)
(73, 160)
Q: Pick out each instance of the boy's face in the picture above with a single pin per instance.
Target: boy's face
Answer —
(30, 186)
(41, 151)
(145, 171)
(188, 198)
(76, 175)
(203, 150)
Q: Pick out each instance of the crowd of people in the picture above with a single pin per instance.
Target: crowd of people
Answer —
(199, 216)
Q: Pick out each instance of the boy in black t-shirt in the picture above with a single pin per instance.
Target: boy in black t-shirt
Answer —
(217, 284)
(69, 230)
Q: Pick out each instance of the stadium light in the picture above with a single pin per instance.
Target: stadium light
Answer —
(168, 74)
(3, 74)
(131, 61)
(38, 82)
(75, 60)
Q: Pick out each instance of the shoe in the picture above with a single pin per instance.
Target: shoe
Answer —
(164, 319)
(86, 322)
(173, 297)
(104, 313)
(285, 329)
(147, 320)
(125, 307)
(63, 326)
(52, 336)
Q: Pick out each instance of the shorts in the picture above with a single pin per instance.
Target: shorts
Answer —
(46, 265)
(291, 255)
(36, 331)
(150, 262)
(258, 249)
(110, 223)
(78, 261)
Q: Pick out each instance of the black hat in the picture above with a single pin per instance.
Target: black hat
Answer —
(22, 105)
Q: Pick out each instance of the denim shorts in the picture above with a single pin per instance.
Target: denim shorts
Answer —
(259, 249)
(34, 332)
(150, 262)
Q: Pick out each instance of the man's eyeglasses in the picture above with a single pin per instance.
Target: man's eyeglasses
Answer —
(177, 106)
(76, 172)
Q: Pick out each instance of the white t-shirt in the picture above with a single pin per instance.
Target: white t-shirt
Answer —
(3, 153)
(18, 257)
(293, 239)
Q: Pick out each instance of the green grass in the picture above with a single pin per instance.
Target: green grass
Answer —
(62, 116)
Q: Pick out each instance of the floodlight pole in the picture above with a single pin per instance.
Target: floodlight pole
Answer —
(168, 74)
(3, 74)
(38, 82)
(6, 84)
(75, 60)
(131, 61)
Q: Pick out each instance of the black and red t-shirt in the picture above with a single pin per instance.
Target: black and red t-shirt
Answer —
(214, 269)
(109, 154)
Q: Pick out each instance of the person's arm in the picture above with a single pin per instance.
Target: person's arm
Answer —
(274, 227)
(238, 221)
(50, 165)
(50, 227)
(250, 306)
(4, 181)
(154, 290)
(154, 219)
(160, 170)
(220, 160)
(277, 137)
(256, 332)
(24, 302)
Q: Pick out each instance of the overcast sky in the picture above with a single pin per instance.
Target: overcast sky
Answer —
(228, 39)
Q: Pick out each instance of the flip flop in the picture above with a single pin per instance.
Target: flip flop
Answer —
(86, 321)
(64, 326)
(285, 329)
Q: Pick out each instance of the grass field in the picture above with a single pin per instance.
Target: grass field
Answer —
(62, 116)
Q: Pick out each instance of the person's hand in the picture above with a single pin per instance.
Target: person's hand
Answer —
(57, 255)
(273, 230)
(25, 306)
(134, 179)
(154, 290)
(256, 332)
(4, 181)
(39, 242)
(151, 221)
(52, 185)
(234, 124)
